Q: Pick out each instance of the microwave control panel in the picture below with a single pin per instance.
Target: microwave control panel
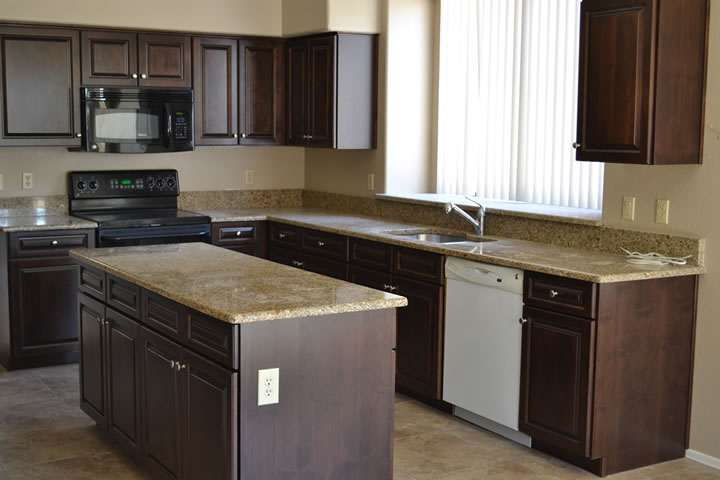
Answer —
(124, 183)
(180, 126)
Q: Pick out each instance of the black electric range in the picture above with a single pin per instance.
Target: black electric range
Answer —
(135, 207)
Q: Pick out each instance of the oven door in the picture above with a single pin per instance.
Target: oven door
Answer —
(124, 120)
(153, 235)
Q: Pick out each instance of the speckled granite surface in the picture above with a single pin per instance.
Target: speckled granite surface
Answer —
(576, 263)
(550, 229)
(51, 205)
(231, 287)
(240, 199)
(27, 220)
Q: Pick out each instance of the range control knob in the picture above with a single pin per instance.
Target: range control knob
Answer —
(93, 185)
(150, 182)
(160, 183)
(81, 185)
(170, 182)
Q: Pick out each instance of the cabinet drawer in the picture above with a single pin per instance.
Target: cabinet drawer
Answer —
(46, 244)
(211, 337)
(561, 294)
(371, 254)
(284, 256)
(232, 234)
(370, 278)
(329, 245)
(162, 314)
(92, 282)
(426, 266)
(123, 296)
(256, 250)
(284, 235)
(324, 266)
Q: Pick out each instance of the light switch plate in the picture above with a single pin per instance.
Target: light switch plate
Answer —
(27, 181)
(628, 208)
(662, 211)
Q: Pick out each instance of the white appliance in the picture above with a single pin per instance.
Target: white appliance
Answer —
(483, 337)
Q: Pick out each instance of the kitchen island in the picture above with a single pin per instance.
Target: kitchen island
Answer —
(178, 346)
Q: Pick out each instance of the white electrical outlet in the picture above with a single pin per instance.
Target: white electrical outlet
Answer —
(268, 386)
(371, 181)
(27, 181)
(662, 211)
(628, 208)
(249, 177)
(1, 181)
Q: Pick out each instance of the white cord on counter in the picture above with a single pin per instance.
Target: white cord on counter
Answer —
(653, 258)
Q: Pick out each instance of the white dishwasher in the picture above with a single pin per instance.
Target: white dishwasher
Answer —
(483, 339)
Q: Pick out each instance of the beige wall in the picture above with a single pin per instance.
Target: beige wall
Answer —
(207, 168)
(204, 169)
(249, 17)
(304, 16)
(694, 194)
(354, 16)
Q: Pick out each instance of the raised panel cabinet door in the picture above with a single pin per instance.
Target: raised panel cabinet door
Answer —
(322, 72)
(210, 419)
(297, 92)
(164, 60)
(215, 84)
(44, 306)
(123, 379)
(162, 405)
(556, 379)
(615, 78)
(39, 86)
(109, 58)
(93, 398)
(420, 338)
(262, 97)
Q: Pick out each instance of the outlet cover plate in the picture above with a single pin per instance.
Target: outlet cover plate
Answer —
(249, 177)
(268, 386)
(628, 208)
(27, 181)
(662, 211)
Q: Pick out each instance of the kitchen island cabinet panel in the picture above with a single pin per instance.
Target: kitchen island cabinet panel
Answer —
(40, 87)
(93, 398)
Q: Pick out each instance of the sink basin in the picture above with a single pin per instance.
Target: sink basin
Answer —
(434, 237)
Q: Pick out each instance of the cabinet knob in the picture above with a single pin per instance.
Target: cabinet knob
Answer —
(389, 288)
(54, 243)
(576, 145)
(309, 137)
(238, 233)
(553, 294)
(107, 323)
(143, 76)
(321, 244)
(78, 135)
(522, 321)
(234, 135)
(243, 135)
(305, 137)
(297, 263)
(134, 75)
(179, 366)
(281, 235)
(172, 363)
(99, 320)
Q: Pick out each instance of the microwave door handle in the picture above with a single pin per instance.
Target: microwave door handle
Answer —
(168, 130)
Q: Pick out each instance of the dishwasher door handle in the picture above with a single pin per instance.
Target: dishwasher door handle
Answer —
(476, 275)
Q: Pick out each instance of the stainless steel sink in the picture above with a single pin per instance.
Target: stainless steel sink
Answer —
(434, 237)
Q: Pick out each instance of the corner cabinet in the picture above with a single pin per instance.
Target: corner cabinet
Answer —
(39, 87)
(606, 370)
(642, 81)
(332, 91)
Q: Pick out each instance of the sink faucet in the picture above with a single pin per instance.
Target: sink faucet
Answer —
(478, 224)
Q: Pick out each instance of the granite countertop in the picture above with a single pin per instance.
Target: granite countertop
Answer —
(231, 287)
(538, 257)
(33, 219)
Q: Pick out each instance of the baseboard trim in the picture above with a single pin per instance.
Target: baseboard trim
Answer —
(702, 458)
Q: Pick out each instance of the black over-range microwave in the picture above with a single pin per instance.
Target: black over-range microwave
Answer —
(138, 120)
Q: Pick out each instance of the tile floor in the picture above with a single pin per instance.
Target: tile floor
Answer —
(44, 435)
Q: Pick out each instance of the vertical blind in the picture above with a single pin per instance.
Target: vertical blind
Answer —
(508, 103)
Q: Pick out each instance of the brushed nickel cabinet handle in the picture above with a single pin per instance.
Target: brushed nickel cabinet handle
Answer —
(54, 243)
(553, 294)
(78, 135)
(243, 135)
(143, 76)
(321, 244)
(522, 321)
(134, 75)
(172, 363)
(576, 145)
(234, 135)
(281, 235)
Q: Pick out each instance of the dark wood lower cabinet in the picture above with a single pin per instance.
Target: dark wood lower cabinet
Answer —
(93, 400)
(311, 263)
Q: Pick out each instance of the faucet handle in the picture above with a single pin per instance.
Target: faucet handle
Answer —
(482, 207)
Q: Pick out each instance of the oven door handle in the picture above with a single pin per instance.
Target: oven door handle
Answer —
(142, 237)
(168, 126)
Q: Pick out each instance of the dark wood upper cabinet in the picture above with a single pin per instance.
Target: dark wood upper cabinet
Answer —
(332, 91)
(642, 81)
(128, 59)
(216, 86)
(39, 86)
(262, 92)
(109, 58)
(164, 60)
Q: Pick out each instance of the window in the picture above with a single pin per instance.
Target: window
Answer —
(508, 102)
